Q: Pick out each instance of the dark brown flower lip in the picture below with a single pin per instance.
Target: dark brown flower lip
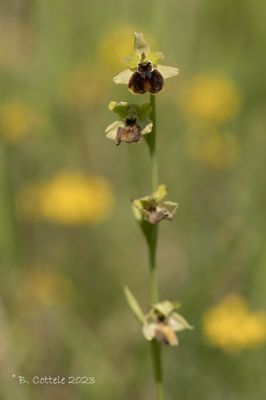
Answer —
(155, 216)
(128, 134)
(143, 81)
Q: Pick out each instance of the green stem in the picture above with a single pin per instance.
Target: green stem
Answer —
(157, 367)
(152, 245)
(151, 140)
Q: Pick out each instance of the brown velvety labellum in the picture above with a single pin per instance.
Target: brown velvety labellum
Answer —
(140, 85)
(128, 134)
(166, 335)
(155, 216)
(157, 82)
(137, 84)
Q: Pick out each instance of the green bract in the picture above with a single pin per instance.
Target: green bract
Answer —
(162, 321)
(134, 305)
(134, 122)
(152, 208)
(144, 73)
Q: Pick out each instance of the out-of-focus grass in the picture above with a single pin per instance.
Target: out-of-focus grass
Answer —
(62, 310)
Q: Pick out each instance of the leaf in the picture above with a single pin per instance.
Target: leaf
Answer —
(134, 305)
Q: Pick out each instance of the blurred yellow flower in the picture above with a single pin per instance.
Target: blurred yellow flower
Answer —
(18, 120)
(231, 325)
(116, 44)
(210, 98)
(215, 149)
(41, 287)
(70, 197)
(84, 86)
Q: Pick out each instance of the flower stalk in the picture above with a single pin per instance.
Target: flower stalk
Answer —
(146, 75)
(151, 140)
(152, 240)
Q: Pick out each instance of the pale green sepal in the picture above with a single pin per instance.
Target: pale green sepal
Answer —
(151, 199)
(149, 331)
(140, 44)
(134, 305)
(178, 322)
(165, 307)
(111, 130)
(167, 72)
(136, 207)
(160, 193)
(171, 206)
(123, 77)
(120, 108)
(146, 126)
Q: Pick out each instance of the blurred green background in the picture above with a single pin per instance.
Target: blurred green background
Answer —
(68, 239)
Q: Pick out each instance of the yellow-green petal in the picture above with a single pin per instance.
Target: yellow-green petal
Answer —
(155, 57)
(132, 61)
(160, 193)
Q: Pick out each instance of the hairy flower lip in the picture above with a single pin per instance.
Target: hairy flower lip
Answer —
(128, 134)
